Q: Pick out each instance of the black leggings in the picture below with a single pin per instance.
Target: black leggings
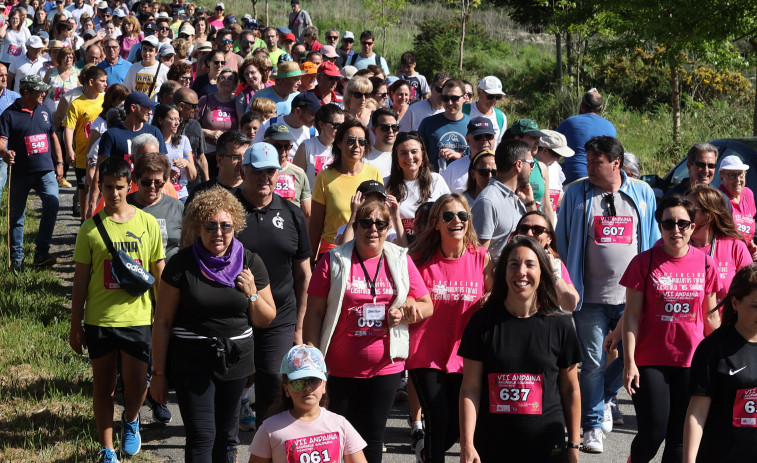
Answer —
(210, 411)
(660, 402)
(439, 394)
(366, 403)
(271, 345)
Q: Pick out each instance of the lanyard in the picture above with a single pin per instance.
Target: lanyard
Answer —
(371, 283)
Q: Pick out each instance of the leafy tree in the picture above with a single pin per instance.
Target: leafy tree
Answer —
(386, 13)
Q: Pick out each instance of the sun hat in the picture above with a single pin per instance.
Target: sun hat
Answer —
(733, 162)
(287, 69)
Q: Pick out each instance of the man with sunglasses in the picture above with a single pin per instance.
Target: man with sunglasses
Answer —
(186, 102)
(277, 232)
(605, 220)
(225, 43)
(480, 137)
(345, 51)
(230, 151)
(425, 108)
(489, 94)
(367, 56)
(443, 133)
(701, 161)
(327, 81)
(384, 127)
(164, 31)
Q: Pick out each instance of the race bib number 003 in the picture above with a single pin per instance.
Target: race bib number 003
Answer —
(516, 393)
(745, 408)
(616, 230)
(322, 448)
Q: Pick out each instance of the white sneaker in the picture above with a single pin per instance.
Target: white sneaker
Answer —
(607, 418)
(593, 441)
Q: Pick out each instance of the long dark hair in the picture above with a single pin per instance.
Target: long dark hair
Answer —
(546, 294)
(161, 112)
(549, 227)
(284, 403)
(341, 132)
(396, 183)
(713, 205)
(744, 282)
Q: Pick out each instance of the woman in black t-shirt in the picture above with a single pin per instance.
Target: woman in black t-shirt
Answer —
(721, 422)
(520, 367)
(211, 294)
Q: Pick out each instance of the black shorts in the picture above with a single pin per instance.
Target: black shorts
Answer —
(81, 178)
(134, 340)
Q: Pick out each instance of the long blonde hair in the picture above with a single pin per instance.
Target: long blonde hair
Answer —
(430, 241)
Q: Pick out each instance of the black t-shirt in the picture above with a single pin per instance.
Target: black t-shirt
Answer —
(209, 309)
(193, 131)
(278, 233)
(209, 184)
(521, 360)
(724, 368)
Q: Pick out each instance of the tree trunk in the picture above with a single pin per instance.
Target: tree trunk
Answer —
(569, 52)
(267, 22)
(676, 102)
(558, 56)
(463, 13)
(383, 20)
(255, 9)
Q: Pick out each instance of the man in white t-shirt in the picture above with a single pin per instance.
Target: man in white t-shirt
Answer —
(299, 121)
(149, 74)
(27, 64)
(424, 108)
(489, 93)
(385, 128)
(480, 137)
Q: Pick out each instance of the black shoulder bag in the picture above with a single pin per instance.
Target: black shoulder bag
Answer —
(125, 271)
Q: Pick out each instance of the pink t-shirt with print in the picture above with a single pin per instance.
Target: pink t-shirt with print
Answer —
(729, 255)
(672, 321)
(744, 212)
(359, 347)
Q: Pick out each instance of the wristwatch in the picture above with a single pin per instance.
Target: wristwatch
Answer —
(253, 298)
(571, 445)
(59, 163)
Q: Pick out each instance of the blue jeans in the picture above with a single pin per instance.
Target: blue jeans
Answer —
(598, 384)
(46, 186)
(3, 173)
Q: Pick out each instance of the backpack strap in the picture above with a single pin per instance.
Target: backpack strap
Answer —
(353, 58)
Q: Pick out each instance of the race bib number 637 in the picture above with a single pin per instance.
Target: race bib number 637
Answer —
(516, 393)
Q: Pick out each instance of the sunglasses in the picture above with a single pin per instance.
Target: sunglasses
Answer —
(382, 95)
(348, 40)
(449, 216)
(332, 37)
(233, 157)
(469, 94)
(359, 95)
(367, 44)
(335, 125)
(147, 182)
(163, 28)
(487, 172)
(702, 165)
(438, 89)
(112, 47)
(366, 224)
(388, 127)
(452, 98)
(299, 384)
(536, 230)
(219, 63)
(282, 147)
(212, 227)
(360, 141)
(494, 97)
(530, 162)
(193, 105)
(669, 224)
(227, 41)
(483, 136)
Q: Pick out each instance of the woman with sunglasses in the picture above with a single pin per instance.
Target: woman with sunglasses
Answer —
(211, 294)
(733, 184)
(411, 180)
(482, 169)
(520, 367)
(183, 169)
(335, 186)
(295, 425)
(208, 83)
(399, 93)
(14, 36)
(361, 297)
(314, 154)
(670, 294)
(217, 113)
(536, 225)
(379, 93)
(447, 251)
(356, 95)
(715, 234)
(131, 34)
(720, 418)
(251, 81)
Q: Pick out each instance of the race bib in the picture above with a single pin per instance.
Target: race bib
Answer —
(108, 281)
(36, 144)
(14, 50)
(745, 226)
(285, 186)
(221, 115)
(365, 322)
(616, 230)
(59, 92)
(407, 224)
(680, 294)
(516, 393)
(745, 408)
(321, 448)
(321, 162)
(554, 198)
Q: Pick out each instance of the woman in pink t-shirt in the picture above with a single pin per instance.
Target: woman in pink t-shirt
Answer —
(715, 234)
(459, 273)
(361, 297)
(669, 300)
(733, 183)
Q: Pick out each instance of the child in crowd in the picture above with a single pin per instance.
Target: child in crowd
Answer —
(419, 89)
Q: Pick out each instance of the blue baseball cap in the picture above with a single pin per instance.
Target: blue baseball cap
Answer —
(303, 361)
(140, 99)
(261, 156)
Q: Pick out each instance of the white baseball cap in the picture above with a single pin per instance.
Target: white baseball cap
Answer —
(733, 162)
(35, 42)
(491, 85)
(556, 142)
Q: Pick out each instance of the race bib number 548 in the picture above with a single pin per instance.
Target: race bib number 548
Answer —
(516, 393)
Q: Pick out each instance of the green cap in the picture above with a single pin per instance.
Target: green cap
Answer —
(33, 82)
(526, 127)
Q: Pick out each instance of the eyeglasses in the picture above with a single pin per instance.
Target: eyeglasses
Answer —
(112, 47)
(388, 127)
(483, 136)
(494, 97)
(438, 89)
(332, 37)
(148, 182)
(299, 384)
(193, 105)
(367, 44)
(282, 147)
(212, 227)
(233, 157)
(219, 63)
(669, 224)
(735, 176)
(703, 165)
(382, 95)
(360, 95)
(530, 162)
(360, 141)
(335, 125)
(537, 230)
(227, 41)
(366, 224)
(449, 216)
(487, 172)
(187, 79)
(452, 98)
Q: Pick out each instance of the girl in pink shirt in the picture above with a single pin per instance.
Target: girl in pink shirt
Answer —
(458, 273)
(669, 300)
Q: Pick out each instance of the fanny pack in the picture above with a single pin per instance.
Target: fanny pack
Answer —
(125, 271)
(227, 351)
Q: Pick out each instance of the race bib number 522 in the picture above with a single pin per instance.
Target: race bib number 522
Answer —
(322, 448)
(516, 393)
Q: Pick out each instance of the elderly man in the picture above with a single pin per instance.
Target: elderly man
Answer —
(489, 93)
(480, 137)
(28, 142)
(701, 162)
(186, 101)
(286, 81)
(581, 128)
(115, 66)
(30, 63)
(7, 98)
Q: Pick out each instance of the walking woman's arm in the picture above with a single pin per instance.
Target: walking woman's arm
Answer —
(470, 399)
(693, 427)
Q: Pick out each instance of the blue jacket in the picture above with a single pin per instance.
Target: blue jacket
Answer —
(573, 221)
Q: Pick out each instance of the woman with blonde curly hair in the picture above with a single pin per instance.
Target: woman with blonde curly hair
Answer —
(212, 293)
(356, 95)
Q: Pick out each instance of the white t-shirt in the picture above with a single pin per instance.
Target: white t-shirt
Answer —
(416, 113)
(474, 112)
(456, 174)
(317, 156)
(139, 78)
(300, 134)
(21, 67)
(14, 44)
(179, 177)
(381, 160)
(410, 204)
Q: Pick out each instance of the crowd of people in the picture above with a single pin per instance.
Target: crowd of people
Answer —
(257, 204)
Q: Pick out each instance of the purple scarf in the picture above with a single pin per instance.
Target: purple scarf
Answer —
(223, 269)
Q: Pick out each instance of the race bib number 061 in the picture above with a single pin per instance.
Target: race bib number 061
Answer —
(516, 393)
(322, 448)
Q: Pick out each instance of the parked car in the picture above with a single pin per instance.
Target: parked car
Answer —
(744, 148)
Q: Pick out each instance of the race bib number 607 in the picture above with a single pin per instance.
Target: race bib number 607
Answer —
(516, 393)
